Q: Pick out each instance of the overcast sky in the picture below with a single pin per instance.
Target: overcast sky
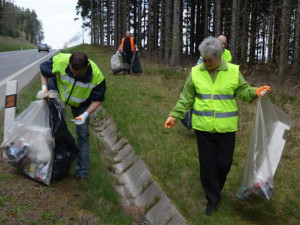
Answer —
(57, 17)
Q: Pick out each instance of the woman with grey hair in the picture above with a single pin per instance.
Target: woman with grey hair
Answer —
(211, 46)
(211, 91)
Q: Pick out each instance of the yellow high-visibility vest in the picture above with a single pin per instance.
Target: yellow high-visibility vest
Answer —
(215, 107)
(227, 55)
(76, 91)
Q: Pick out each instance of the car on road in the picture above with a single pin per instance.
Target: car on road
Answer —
(43, 47)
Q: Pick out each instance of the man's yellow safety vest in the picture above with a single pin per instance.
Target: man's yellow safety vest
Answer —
(76, 92)
(227, 55)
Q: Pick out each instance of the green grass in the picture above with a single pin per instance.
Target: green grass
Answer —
(100, 198)
(139, 105)
(12, 44)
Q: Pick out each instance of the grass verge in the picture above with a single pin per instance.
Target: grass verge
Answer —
(139, 105)
(96, 200)
(12, 44)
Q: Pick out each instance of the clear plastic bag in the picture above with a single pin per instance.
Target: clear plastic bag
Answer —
(265, 149)
(29, 144)
(115, 63)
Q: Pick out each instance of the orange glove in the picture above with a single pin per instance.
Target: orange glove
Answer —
(170, 122)
(261, 91)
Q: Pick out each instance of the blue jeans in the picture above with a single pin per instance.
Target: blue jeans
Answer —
(83, 144)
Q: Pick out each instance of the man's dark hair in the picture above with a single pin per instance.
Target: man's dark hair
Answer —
(78, 60)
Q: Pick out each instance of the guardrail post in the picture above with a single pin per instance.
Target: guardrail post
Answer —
(10, 105)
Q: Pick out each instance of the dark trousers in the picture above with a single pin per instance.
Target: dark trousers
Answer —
(83, 144)
(215, 156)
(127, 61)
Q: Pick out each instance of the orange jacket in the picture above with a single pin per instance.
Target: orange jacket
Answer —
(131, 43)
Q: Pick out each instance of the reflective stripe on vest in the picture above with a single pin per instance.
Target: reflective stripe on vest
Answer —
(65, 83)
(218, 115)
(78, 83)
(215, 97)
(215, 107)
(131, 44)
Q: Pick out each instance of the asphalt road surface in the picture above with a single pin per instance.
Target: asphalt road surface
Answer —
(11, 62)
(22, 66)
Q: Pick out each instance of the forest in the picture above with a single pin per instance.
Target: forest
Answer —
(18, 22)
(265, 32)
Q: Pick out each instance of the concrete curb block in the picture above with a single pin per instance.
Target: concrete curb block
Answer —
(125, 151)
(135, 185)
(126, 163)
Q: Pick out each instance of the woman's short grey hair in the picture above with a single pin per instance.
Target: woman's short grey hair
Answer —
(211, 47)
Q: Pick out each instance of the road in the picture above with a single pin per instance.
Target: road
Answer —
(22, 66)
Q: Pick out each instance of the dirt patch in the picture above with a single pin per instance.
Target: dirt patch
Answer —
(25, 201)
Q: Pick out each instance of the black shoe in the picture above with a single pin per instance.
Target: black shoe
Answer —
(210, 209)
(128, 71)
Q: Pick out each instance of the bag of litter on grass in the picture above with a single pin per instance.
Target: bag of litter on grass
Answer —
(115, 63)
(265, 149)
(28, 143)
(136, 65)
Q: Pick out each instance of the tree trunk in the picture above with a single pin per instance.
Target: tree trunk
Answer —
(156, 24)
(284, 40)
(116, 24)
(150, 27)
(205, 20)
(271, 32)
(296, 62)
(162, 30)
(192, 28)
(244, 33)
(234, 29)
(199, 27)
(124, 17)
(168, 31)
(253, 32)
(176, 35)
(217, 18)
(108, 19)
(139, 39)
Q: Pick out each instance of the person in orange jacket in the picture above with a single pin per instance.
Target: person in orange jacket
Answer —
(127, 47)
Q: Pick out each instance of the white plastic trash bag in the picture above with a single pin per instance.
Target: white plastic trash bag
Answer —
(265, 149)
(29, 144)
(115, 63)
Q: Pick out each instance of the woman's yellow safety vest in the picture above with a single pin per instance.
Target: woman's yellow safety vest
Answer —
(215, 107)
(76, 92)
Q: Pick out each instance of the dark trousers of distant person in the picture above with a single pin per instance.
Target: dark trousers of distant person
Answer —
(127, 56)
(215, 156)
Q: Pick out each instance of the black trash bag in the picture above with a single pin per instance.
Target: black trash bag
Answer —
(65, 151)
(187, 120)
(136, 66)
